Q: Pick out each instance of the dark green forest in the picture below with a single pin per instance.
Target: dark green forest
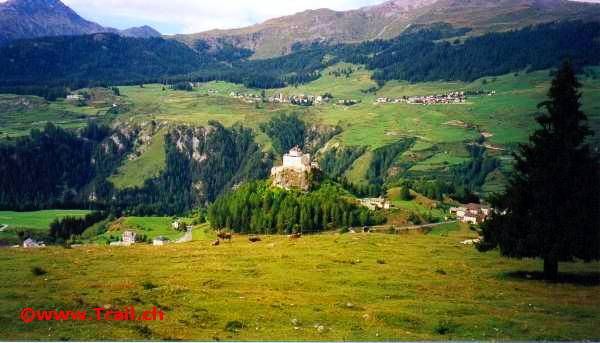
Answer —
(422, 54)
(56, 168)
(256, 208)
(336, 161)
(81, 60)
(48, 168)
(286, 132)
(232, 158)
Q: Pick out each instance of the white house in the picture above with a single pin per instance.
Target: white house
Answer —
(74, 97)
(31, 243)
(161, 240)
(129, 237)
(376, 203)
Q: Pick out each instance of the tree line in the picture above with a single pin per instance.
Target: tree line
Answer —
(63, 229)
(257, 208)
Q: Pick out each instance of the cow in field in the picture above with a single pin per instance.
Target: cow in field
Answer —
(225, 236)
(295, 236)
(254, 239)
(216, 243)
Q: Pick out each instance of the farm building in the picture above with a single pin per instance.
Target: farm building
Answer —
(375, 203)
(129, 237)
(74, 97)
(31, 243)
(471, 213)
(178, 224)
(159, 241)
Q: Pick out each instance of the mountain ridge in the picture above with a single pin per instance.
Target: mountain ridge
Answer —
(24, 19)
(279, 36)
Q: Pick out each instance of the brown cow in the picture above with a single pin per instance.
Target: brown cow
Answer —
(225, 236)
(216, 243)
(254, 239)
(295, 236)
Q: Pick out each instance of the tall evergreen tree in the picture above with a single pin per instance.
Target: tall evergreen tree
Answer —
(551, 208)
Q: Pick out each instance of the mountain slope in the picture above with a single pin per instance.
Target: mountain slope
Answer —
(280, 36)
(23, 19)
(36, 18)
(101, 57)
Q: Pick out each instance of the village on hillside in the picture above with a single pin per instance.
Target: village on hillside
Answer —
(458, 97)
(299, 99)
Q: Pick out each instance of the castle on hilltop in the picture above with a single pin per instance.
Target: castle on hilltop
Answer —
(294, 171)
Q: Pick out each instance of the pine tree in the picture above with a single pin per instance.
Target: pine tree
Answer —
(405, 193)
(551, 207)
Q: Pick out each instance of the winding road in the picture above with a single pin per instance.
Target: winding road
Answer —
(3, 227)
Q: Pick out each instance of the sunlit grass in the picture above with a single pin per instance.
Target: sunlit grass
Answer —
(354, 286)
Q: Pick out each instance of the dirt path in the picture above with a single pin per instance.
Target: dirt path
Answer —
(3, 227)
(187, 237)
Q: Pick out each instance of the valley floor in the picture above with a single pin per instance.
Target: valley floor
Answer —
(322, 287)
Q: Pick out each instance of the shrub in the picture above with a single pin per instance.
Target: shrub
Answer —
(38, 271)
(149, 285)
(234, 326)
(444, 327)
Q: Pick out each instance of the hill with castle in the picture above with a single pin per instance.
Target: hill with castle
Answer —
(295, 172)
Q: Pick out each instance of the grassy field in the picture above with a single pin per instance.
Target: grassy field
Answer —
(151, 227)
(19, 114)
(37, 223)
(419, 204)
(324, 287)
(39, 220)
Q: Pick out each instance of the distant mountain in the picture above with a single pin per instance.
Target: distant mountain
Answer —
(22, 19)
(280, 36)
(141, 32)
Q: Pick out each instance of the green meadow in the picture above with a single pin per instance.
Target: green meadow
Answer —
(35, 222)
(324, 287)
(151, 227)
(39, 220)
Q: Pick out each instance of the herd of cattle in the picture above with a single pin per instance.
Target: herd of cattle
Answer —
(228, 236)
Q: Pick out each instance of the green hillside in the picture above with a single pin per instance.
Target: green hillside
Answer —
(506, 119)
(149, 165)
